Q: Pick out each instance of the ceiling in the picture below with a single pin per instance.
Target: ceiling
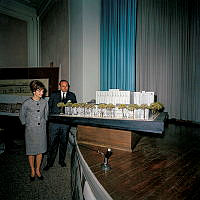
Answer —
(37, 4)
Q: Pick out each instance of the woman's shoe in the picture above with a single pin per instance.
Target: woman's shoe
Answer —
(32, 178)
(38, 173)
(41, 177)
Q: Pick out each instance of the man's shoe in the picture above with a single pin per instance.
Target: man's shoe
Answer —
(62, 164)
(47, 167)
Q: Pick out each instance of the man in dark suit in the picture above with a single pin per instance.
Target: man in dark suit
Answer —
(58, 133)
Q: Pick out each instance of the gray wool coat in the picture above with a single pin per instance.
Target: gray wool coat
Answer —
(33, 115)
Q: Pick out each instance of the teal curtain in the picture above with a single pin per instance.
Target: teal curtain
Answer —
(117, 54)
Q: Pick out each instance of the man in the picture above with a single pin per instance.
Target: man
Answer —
(58, 133)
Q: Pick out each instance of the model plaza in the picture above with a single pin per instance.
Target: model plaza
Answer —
(116, 104)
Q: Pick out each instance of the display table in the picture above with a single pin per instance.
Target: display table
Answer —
(151, 126)
(127, 139)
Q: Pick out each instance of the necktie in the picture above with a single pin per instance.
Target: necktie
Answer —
(63, 97)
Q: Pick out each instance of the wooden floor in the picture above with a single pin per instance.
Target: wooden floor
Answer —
(160, 168)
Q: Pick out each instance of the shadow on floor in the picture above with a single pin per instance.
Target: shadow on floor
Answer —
(15, 183)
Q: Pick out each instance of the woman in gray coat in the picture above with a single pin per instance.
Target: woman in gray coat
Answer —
(34, 114)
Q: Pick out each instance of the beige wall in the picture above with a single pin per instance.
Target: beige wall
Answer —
(85, 48)
(13, 42)
(55, 37)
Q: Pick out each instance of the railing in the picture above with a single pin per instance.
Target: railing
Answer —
(84, 184)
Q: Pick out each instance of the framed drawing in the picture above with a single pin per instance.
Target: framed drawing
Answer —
(20, 86)
(16, 80)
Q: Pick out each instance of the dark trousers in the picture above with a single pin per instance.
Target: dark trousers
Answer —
(58, 138)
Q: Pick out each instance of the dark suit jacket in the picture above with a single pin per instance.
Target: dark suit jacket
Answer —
(55, 98)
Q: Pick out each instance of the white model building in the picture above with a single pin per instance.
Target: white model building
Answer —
(116, 96)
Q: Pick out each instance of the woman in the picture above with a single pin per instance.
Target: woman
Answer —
(34, 114)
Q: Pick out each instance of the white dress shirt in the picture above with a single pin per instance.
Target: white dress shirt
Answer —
(63, 93)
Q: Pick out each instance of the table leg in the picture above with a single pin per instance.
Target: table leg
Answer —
(135, 138)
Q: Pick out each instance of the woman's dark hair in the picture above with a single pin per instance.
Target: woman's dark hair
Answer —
(35, 85)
